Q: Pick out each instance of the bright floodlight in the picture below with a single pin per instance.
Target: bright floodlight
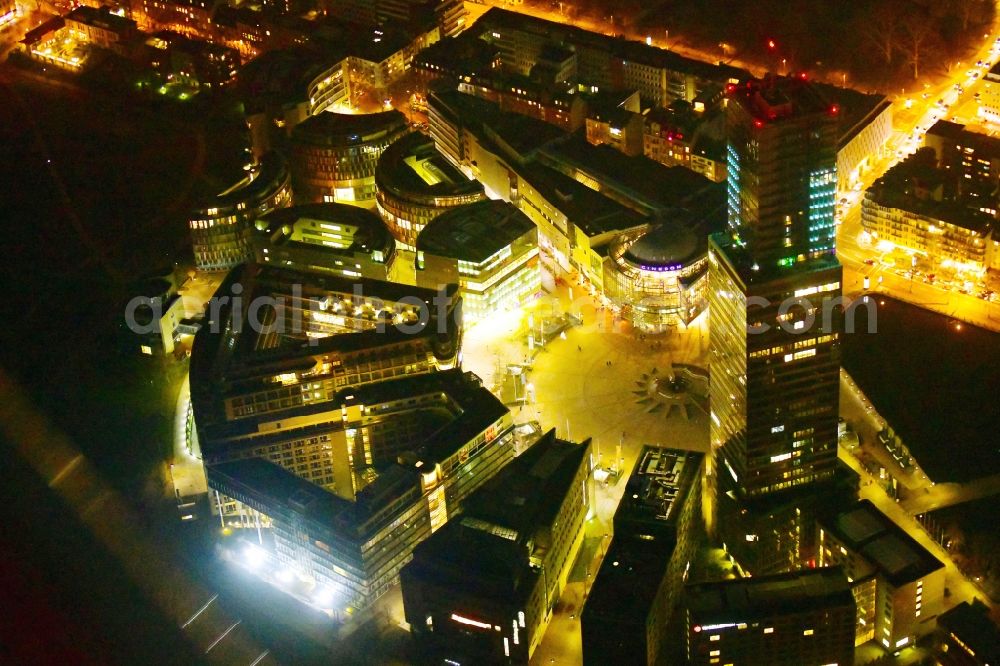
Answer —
(324, 598)
(286, 576)
(254, 556)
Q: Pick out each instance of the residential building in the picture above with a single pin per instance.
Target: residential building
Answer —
(333, 155)
(973, 158)
(791, 619)
(193, 62)
(484, 587)
(919, 208)
(989, 96)
(488, 248)
(154, 318)
(414, 183)
(630, 615)
(401, 455)
(554, 103)
(601, 62)
(618, 128)
(328, 238)
(221, 228)
(897, 583)
(102, 28)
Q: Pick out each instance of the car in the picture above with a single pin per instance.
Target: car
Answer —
(869, 262)
(925, 95)
(976, 95)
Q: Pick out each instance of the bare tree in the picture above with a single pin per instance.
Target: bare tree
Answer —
(917, 38)
(880, 28)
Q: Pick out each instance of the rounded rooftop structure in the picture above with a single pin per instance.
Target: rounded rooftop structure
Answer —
(333, 155)
(667, 246)
(658, 276)
(221, 228)
(415, 183)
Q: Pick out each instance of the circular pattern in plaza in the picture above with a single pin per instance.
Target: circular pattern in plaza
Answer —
(415, 183)
(658, 276)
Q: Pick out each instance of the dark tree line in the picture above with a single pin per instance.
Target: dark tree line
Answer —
(877, 43)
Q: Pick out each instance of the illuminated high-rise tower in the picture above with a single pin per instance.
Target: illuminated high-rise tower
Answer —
(774, 284)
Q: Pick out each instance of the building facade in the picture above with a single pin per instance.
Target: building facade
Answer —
(222, 228)
(631, 615)
(659, 277)
(329, 238)
(483, 589)
(490, 249)
(333, 155)
(415, 183)
(790, 619)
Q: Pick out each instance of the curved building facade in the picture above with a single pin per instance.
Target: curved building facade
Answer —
(414, 183)
(222, 229)
(488, 248)
(658, 276)
(333, 155)
(327, 238)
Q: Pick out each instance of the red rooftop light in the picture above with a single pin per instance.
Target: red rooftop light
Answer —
(802, 75)
(771, 44)
(758, 123)
(834, 109)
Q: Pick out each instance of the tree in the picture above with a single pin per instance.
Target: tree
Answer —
(918, 38)
(880, 27)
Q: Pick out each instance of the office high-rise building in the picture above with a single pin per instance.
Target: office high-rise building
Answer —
(782, 169)
(775, 285)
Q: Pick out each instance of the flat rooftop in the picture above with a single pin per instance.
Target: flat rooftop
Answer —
(487, 548)
(762, 597)
(656, 490)
(366, 230)
(474, 232)
(868, 531)
(627, 582)
(526, 494)
(475, 410)
(774, 98)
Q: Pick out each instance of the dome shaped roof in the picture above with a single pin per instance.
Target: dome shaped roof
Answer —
(667, 244)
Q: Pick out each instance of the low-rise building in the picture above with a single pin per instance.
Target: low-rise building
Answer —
(333, 155)
(631, 610)
(401, 461)
(897, 583)
(102, 28)
(618, 128)
(483, 588)
(554, 103)
(791, 619)
(488, 248)
(222, 228)
(327, 238)
(193, 62)
(414, 184)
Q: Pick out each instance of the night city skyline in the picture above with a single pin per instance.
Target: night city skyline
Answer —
(459, 333)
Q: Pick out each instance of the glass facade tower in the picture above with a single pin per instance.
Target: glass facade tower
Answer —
(776, 319)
